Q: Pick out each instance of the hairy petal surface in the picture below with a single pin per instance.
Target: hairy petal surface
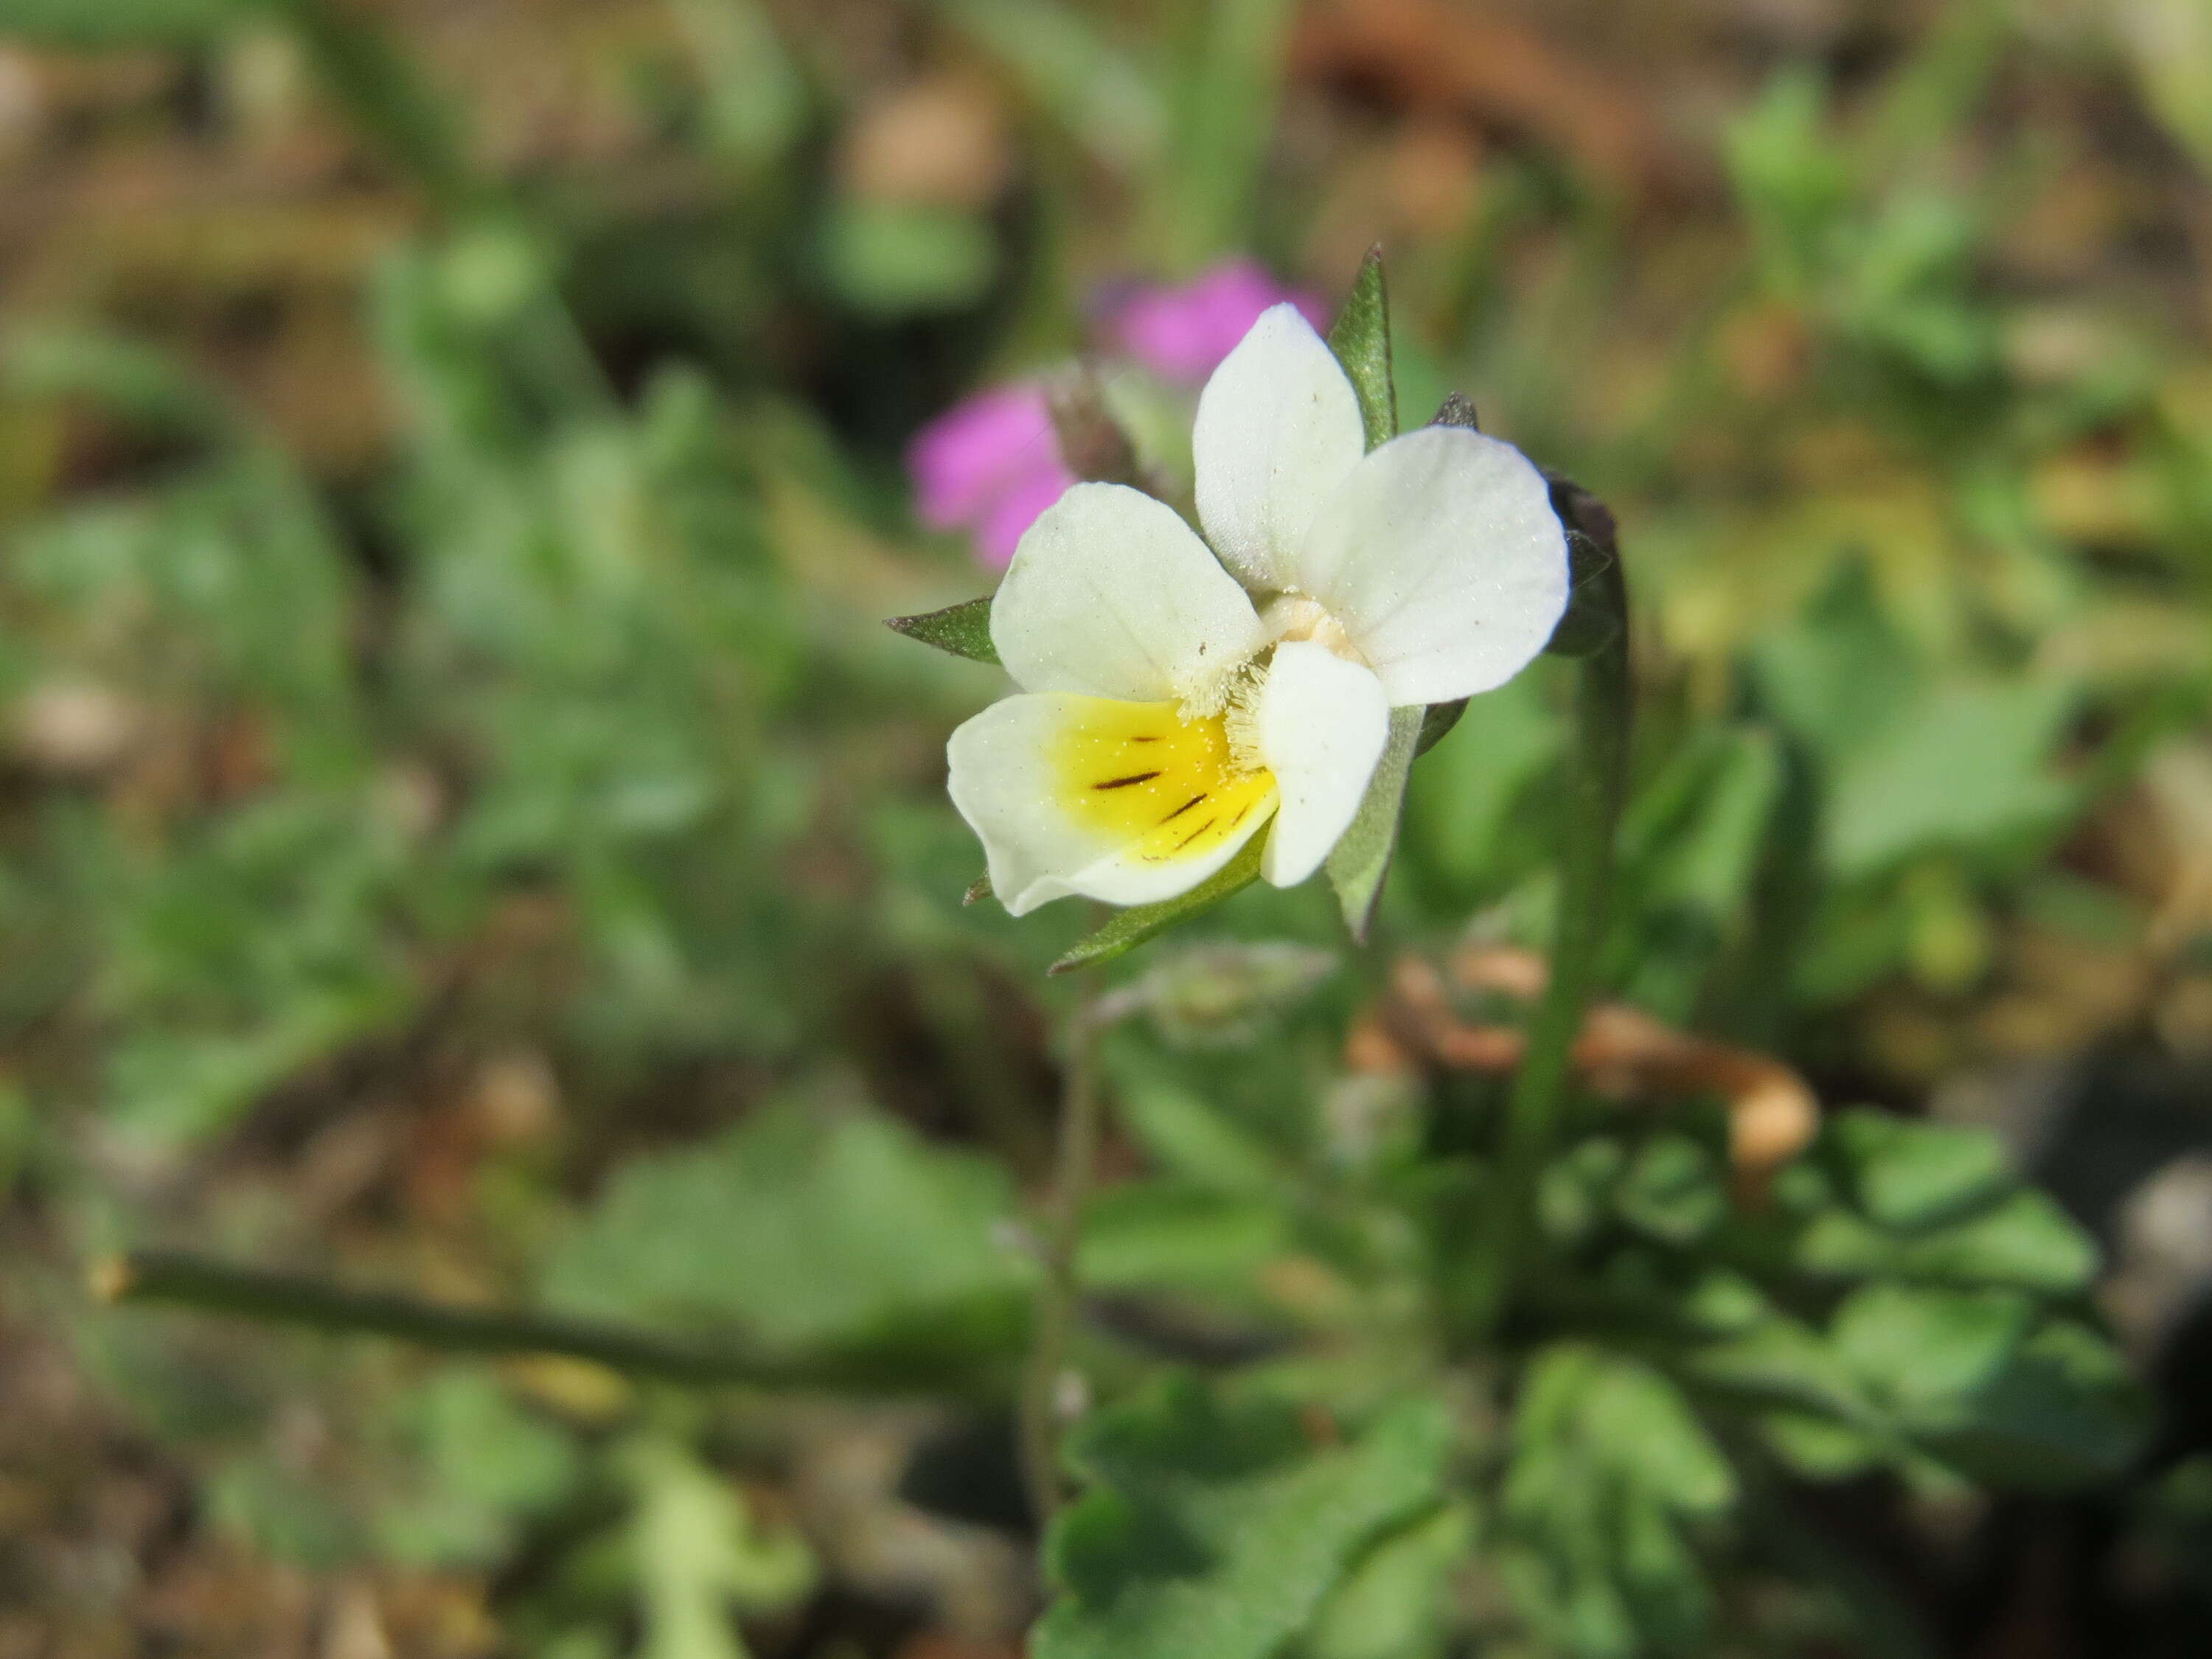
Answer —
(1113, 595)
(1277, 429)
(1441, 557)
(1321, 723)
(1125, 802)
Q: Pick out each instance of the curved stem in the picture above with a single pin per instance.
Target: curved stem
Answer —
(1596, 631)
(1057, 1289)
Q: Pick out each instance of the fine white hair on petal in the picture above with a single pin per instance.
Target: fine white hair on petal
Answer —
(1009, 780)
(1443, 558)
(1321, 723)
(1278, 428)
(1111, 593)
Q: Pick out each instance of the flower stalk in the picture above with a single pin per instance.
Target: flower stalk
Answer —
(177, 1279)
(1053, 1325)
(1594, 630)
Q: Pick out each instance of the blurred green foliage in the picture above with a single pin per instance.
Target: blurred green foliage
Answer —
(565, 725)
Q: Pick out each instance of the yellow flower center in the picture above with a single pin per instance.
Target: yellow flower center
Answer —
(1144, 775)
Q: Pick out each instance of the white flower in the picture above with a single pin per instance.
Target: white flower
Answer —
(1174, 703)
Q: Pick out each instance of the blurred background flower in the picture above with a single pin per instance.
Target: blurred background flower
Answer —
(465, 829)
(991, 462)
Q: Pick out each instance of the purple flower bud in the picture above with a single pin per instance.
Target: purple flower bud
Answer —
(1182, 331)
(989, 466)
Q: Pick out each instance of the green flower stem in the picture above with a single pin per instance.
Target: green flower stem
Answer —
(1595, 630)
(179, 1280)
(1058, 1292)
(382, 96)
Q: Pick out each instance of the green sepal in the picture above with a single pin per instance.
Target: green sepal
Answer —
(963, 629)
(1437, 722)
(1361, 857)
(1360, 337)
(1131, 928)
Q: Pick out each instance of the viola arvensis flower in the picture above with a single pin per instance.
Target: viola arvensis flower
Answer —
(1177, 700)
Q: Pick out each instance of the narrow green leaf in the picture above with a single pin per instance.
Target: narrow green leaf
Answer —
(963, 629)
(1361, 859)
(1131, 928)
(1361, 340)
(1076, 75)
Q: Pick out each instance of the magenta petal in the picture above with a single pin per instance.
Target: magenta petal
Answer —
(966, 460)
(1000, 531)
(1182, 333)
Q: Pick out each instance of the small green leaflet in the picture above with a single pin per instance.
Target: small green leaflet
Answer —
(963, 629)
(1131, 928)
(1361, 340)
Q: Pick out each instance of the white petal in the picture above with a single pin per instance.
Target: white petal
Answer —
(1125, 802)
(1322, 723)
(1277, 429)
(1112, 594)
(1442, 558)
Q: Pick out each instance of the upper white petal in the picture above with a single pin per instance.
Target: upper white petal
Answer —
(1277, 429)
(1322, 723)
(1442, 558)
(1111, 593)
(1009, 780)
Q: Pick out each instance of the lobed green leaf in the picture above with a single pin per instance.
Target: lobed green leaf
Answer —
(1217, 1527)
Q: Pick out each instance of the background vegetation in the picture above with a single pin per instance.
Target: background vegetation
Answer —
(468, 833)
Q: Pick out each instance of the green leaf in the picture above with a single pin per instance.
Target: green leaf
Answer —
(696, 1555)
(1361, 859)
(1188, 1136)
(2066, 1412)
(892, 260)
(1397, 1603)
(2026, 1241)
(807, 1229)
(1360, 337)
(1074, 74)
(1910, 1175)
(1216, 1526)
(1131, 928)
(1673, 1191)
(1229, 57)
(1924, 1352)
(1969, 767)
(482, 1466)
(963, 629)
(1609, 1466)
(1169, 1234)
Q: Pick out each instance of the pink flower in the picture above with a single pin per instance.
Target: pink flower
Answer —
(989, 466)
(1182, 332)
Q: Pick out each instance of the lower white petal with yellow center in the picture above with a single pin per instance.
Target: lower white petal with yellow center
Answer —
(1129, 802)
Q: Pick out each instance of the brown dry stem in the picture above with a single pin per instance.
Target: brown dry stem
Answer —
(1621, 1053)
